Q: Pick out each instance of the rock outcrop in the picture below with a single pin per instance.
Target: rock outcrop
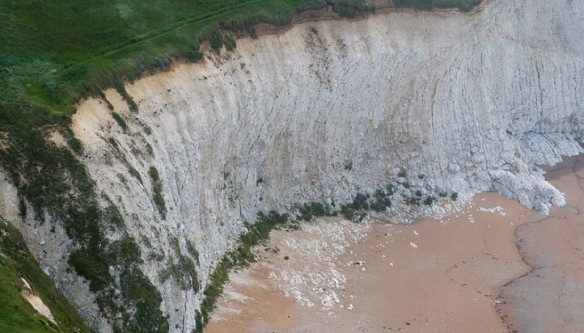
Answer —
(447, 102)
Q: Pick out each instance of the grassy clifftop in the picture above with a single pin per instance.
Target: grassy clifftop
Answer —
(53, 52)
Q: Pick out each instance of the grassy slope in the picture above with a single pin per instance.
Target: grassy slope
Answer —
(53, 52)
(16, 315)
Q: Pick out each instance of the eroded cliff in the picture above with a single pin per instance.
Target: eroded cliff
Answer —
(430, 102)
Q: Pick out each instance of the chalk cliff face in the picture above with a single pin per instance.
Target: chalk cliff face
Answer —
(460, 102)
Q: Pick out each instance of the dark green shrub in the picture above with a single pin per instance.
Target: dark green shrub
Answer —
(253, 33)
(157, 191)
(216, 40)
(121, 89)
(309, 211)
(413, 201)
(349, 9)
(389, 189)
(230, 43)
(120, 120)
(193, 251)
(348, 164)
(193, 55)
(463, 5)
(124, 252)
(381, 204)
(360, 202)
(92, 266)
(347, 211)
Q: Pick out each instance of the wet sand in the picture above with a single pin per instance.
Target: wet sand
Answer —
(495, 266)
(551, 297)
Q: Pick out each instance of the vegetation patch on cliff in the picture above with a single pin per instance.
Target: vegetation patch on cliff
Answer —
(464, 5)
(16, 315)
(241, 255)
(57, 187)
(183, 270)
(157, 191)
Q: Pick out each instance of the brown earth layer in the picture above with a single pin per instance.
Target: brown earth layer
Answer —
(327, 14)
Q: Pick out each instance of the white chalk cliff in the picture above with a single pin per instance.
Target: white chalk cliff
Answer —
(461, 102)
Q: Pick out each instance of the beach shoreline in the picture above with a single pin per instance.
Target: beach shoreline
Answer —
(473, 270)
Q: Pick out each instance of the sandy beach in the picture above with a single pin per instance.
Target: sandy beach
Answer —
(550, 298)
(494, 266)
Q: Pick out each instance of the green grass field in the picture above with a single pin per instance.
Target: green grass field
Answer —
(54, 52)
